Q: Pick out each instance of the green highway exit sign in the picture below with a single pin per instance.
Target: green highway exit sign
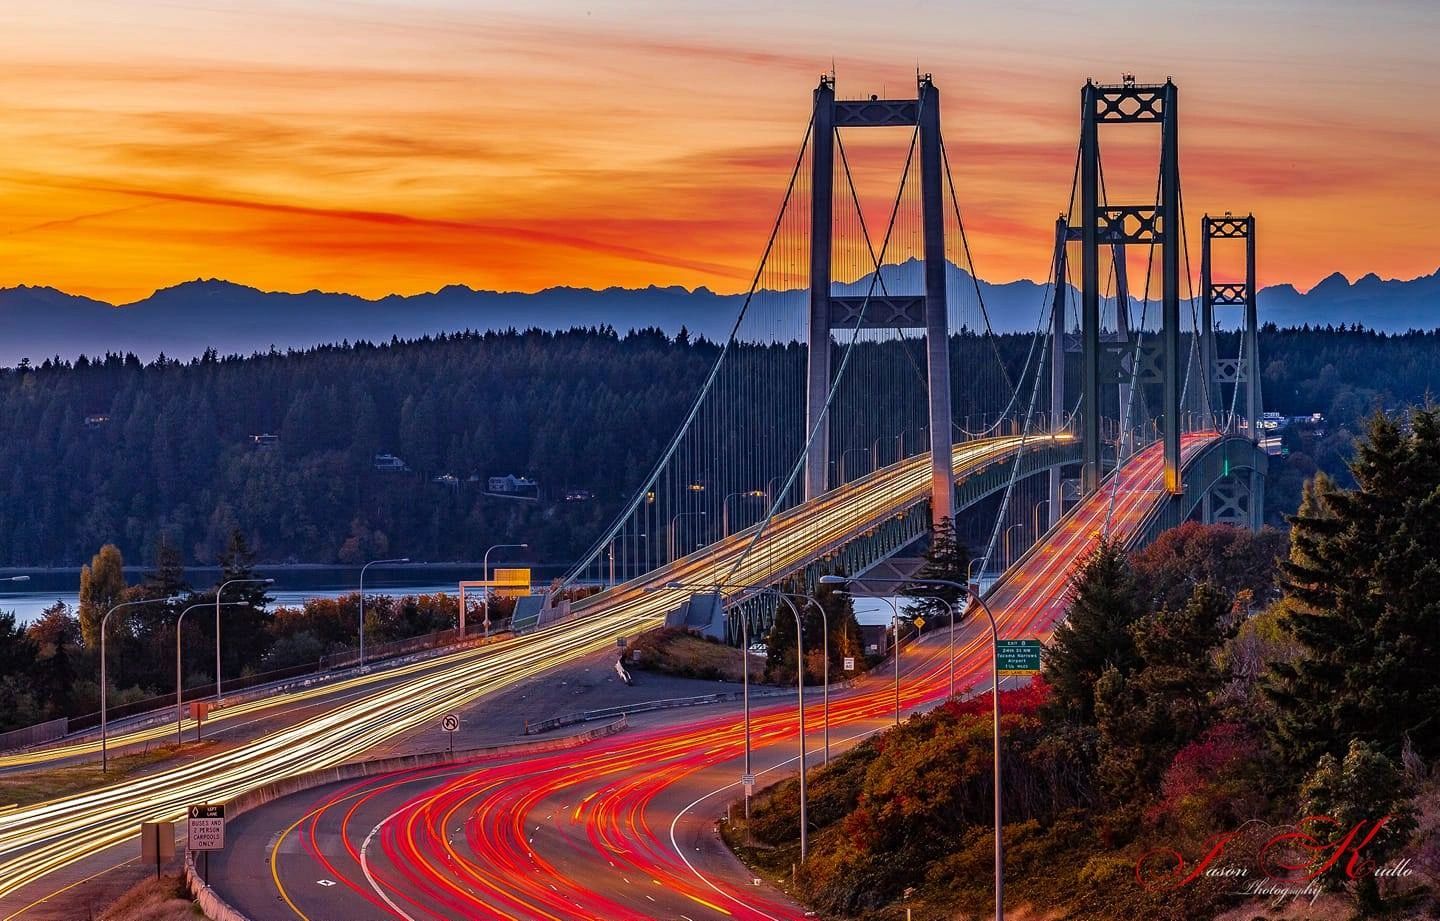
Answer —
(1017, 657)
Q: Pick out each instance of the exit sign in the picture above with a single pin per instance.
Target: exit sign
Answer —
(1017, 657)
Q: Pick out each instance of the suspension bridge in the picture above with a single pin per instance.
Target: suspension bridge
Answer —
(864, 396)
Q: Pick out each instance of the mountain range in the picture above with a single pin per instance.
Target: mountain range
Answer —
(184, 320)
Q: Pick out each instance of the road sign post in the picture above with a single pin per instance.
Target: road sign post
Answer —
(450, 722)
(157, 842)
(199, 709)
(206, 830)
(1017, 658)
(849, 663)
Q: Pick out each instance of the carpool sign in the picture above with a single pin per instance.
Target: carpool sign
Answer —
(1017, 658)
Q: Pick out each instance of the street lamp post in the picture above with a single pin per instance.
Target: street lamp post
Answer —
(180, 622)
(16, 579)
(674, 544)
(875, 449)
(104, 678)
(843, 455)
(486, 570)
(800, 678)
(972, 591)
(725, 507)
(403, 559)
(1008, 558)
(1038, 506)
(825, 637)
(894, 627)
(218, 592)
(951, 606)
(800, 684)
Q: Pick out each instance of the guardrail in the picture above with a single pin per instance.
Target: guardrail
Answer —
(214, 905)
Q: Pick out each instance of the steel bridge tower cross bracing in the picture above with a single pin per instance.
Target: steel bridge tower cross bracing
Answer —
(1118, 226)
(928, 311)
(1244, 369)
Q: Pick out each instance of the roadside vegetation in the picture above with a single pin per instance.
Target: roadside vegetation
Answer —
(25, 788)
(676, 651)
(1214, 684)
(50, 667)
(163, 899)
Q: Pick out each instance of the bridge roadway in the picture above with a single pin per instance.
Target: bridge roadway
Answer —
(622, 828)
(51, 846)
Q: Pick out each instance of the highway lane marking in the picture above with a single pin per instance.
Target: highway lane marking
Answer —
(365, 864)
(48, 896)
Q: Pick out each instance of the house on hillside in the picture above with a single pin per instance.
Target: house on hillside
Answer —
(265, 442)
(512, 485)
(389, 463)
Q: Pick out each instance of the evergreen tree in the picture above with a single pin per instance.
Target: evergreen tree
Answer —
(1363, 582)
(244, 625)
(1358, 790)
(1167, 700)
(946, 558)
(1104, 602)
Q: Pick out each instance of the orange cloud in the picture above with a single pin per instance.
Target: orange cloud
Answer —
(402, 147)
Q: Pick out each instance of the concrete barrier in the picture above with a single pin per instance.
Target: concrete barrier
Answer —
(37, 734)
(670, 703)
(215, 906)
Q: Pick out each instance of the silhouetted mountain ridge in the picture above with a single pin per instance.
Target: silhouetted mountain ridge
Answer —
(185, 319)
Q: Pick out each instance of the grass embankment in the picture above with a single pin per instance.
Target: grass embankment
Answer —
(673, 651)
(163, 899)
(46, 783)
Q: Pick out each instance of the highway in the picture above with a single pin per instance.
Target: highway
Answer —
(37, 841)
(623, 828)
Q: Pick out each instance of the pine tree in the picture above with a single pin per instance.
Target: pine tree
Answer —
(1104, 602)
(1363, 582)
(946, 558)
(243, 625)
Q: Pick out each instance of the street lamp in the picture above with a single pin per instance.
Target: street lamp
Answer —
(825, 666)
(218, 593)
(1009, 560)
(894, 628)
(674, 544)
(875, 449)
(486, 564)
(800, 678)
(179, 622)
(1038, 506)
(104, 680)
(725, 507)
(844, 454)
(16, 579)
(403, 559)
(971, 590)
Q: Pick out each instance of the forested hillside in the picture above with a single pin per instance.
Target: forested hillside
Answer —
(116, 450)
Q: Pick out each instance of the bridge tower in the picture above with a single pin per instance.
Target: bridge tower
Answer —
(1117, 226)
(1232, 500)
(1241, 370)
(926, 311)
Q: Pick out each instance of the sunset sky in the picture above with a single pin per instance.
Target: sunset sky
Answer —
(377, 146)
